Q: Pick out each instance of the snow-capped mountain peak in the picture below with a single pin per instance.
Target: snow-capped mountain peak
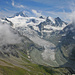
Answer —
(51, 19)
(42, 17)
(39, 25)
(59, 22)
(58, 19)
(22, 14)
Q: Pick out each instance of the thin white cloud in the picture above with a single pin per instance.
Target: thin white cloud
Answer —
(20, 6)
(17, 5)
(6, 13)
(66, 16)
(7, 35)
(72, 5)
(36, 13)
(13, 3)
(43, 1)
(7, 2)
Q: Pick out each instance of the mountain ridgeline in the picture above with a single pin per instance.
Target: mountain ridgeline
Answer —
(36, 45)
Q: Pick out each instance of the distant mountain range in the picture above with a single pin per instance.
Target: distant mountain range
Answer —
(46, 40)
(38, 24)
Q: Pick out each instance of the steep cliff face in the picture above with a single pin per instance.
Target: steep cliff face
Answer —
(68, 41)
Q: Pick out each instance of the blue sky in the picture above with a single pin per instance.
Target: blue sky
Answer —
(52, 8)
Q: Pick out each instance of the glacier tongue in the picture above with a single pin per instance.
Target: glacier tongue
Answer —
(49, 52)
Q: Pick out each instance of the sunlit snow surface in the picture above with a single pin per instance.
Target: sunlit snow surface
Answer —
(23, 21)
